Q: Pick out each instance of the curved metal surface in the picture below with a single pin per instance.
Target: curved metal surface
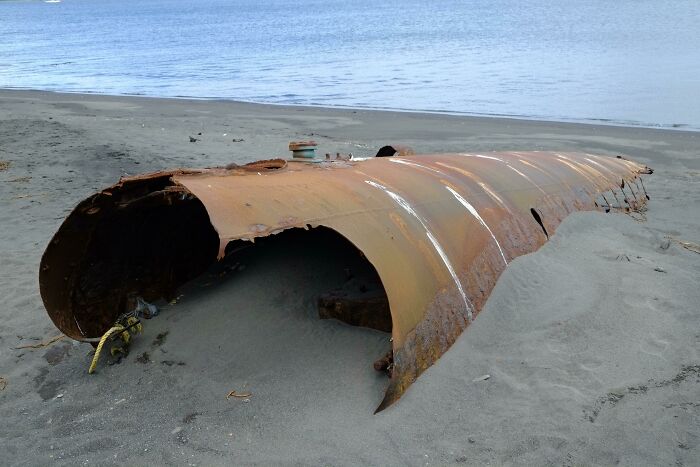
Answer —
(439, 230)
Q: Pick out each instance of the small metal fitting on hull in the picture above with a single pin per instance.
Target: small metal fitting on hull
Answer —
(303, 149)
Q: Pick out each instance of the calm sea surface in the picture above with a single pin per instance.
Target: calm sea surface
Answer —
(622, 61)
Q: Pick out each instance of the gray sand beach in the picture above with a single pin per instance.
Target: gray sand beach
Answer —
(592, 343)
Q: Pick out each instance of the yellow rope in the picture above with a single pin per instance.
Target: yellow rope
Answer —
(116, 328)
(132, 324)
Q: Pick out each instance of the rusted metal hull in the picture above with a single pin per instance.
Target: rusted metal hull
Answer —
(438, 229)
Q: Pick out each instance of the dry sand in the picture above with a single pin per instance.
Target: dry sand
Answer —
(593, 353)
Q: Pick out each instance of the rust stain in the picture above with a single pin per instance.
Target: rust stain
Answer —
(438, 229)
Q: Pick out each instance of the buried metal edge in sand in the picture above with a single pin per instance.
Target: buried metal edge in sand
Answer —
(438, 229)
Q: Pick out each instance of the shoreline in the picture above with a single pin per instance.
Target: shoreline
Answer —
(589, 121)
(590, 343)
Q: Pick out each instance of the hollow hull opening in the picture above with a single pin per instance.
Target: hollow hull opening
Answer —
(144, 240)
(146, 251)
(251, 322)
(347, 287)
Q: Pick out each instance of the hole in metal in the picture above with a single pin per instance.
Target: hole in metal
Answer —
(538, 219)
(386, 151)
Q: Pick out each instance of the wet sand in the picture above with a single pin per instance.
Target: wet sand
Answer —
(592, 343)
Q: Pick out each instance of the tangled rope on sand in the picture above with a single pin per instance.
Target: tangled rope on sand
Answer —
(120, 328)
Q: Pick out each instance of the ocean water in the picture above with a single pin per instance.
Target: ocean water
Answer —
(633, 62)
